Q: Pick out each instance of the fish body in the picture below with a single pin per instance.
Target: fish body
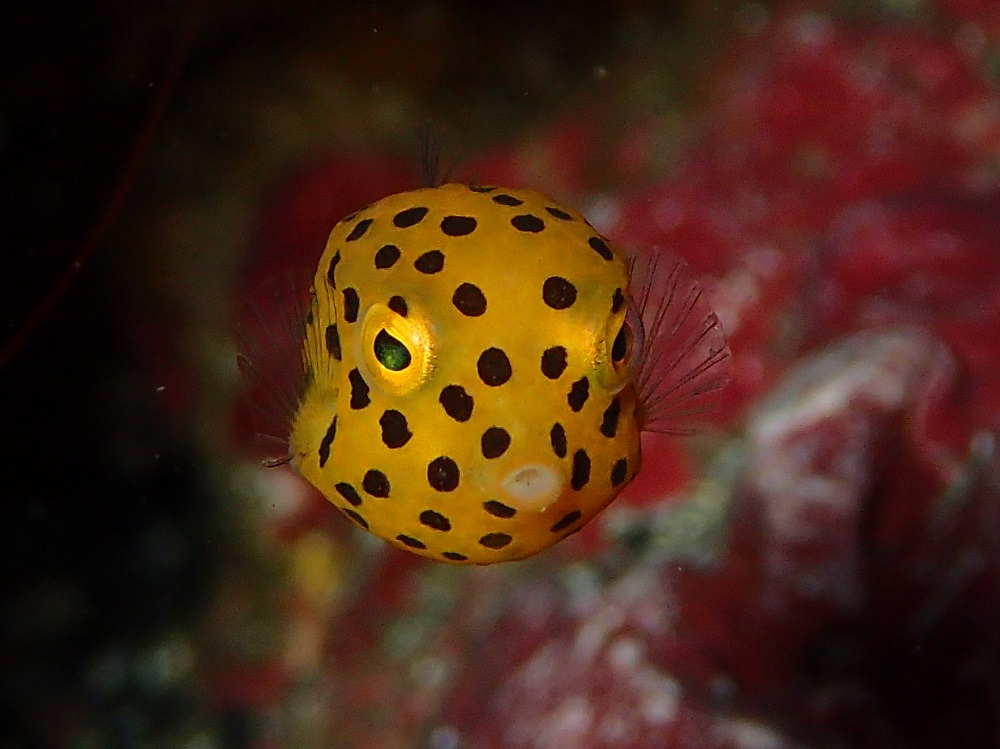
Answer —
(475, 376)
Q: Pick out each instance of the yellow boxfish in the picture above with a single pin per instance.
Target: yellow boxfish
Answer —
(477, 364)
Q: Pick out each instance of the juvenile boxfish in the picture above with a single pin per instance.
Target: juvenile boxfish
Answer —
(475, 366)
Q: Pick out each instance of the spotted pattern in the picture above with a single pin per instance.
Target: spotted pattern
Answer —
(505, 224)
(442, 474)
(581, 469)
(554, 362)
(557, 436)
(351, 305)
(499, 509)
(619, 471)
(409, 217)
(566, 521)
(495, 540)
(349, 493)
(430, 262)
(395, 431)
(355, 516)
(435, 520)
(398, 305)
(469, 300)
(387, 256)
(527, 223)
(458, 226)
(456, 402)
(599, 246)
(360, 397)
(609, 422)
(376, 483)
(493, 367)
(558, 293)
(333, 342)
(578, 394)
(494, 442)
(324, 445)
(359, 230)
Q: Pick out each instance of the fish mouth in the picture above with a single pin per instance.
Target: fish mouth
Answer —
(532, 486)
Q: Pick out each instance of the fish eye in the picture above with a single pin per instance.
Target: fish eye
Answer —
(395, 351)
(390, 352)
(619, 356)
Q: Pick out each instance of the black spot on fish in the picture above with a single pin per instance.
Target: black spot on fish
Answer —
(578, 393)
(609, 424)
(435, 520)
(557, 436)
(332, 269)
(324, 445)
(559, 214)
(456, 402)
(359, 230)
(619, 471)
(527, 223)
(387, 256)
(429, 262)
(398, 305)
(581, 469)
(458, 226)
(351, 305)
(599, 246)
(413, 543)
(499, 509)
(454, 555)
(554, 362)
(508, 200)
(469, 300)
(359, 390)
(442, 474)
(333, 341)
(409, 217)
(617, 300)
(494, 442)
(349, 493)
(376, 483)
(495, 540)
(558, 293)
(355, 517)
(395, 430)
(493, 367)
(566, 521)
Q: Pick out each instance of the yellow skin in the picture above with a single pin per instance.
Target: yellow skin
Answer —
(386, 433)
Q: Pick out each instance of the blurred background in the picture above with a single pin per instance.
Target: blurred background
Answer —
(818, 567)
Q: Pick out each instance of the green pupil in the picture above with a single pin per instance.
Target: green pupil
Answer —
(390, 352)
(620, 345)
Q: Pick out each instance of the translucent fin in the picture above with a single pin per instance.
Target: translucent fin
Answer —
(684, 361)
(432, 173)
(274, 372)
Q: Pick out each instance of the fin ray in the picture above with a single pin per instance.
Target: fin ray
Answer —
(685, 361)
(272, 360)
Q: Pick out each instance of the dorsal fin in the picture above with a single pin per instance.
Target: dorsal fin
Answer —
(684, 362)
